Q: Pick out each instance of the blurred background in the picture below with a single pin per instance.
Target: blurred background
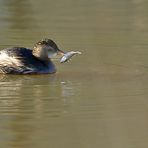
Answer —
(99, 98)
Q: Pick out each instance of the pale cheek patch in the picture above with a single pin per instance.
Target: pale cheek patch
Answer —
(52, 55)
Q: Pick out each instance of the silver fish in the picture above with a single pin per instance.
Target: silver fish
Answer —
(68, 55)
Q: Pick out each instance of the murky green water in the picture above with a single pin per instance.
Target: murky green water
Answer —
(98, 99)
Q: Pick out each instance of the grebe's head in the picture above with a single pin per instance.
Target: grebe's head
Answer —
(46, 49)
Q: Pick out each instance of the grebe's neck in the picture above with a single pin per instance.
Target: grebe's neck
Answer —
(40, 53)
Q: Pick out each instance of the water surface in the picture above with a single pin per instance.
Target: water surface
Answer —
(98, 99)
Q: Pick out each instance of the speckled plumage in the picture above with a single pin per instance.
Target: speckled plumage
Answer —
(20, 60)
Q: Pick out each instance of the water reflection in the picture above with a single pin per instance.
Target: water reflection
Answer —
(42, 94)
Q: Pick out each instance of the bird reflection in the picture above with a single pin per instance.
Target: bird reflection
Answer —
(31, 97)
(25, 91)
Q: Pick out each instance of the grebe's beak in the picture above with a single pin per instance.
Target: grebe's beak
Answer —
(60, 53)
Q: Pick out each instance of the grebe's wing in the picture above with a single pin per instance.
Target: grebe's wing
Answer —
(12, 60)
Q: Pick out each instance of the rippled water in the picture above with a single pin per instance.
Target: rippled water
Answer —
(98, 99)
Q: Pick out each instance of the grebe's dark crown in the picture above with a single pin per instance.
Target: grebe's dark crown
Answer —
(47, 42)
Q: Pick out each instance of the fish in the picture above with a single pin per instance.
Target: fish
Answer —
(67, 56)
